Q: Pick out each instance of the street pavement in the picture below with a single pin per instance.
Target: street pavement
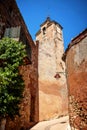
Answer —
(55, 124)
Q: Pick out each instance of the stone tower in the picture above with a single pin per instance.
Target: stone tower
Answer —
(51, 71)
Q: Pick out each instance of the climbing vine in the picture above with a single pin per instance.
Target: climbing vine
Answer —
(11, 83)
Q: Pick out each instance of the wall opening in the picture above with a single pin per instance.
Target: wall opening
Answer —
(44, 30)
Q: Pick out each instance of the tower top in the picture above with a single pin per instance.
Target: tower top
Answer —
(48, 22)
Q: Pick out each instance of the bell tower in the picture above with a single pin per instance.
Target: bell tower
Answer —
(51, 70)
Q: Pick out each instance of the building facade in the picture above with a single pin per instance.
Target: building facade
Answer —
(76, 64)
(51, 71)
(12, 25)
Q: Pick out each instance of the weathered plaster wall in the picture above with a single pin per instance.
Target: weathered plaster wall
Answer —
(51, 68)
(76, 62)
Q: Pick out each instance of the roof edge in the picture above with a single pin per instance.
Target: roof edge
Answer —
(75, 41)
(24, 26)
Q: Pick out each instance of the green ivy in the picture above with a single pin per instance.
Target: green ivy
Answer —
(11, 83)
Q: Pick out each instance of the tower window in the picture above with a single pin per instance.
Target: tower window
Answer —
(44, 30)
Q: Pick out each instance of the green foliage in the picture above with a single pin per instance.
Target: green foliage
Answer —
(11, 83)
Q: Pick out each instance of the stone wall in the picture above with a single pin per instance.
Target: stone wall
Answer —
(76, 62)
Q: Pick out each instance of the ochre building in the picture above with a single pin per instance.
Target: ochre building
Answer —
(76, 64)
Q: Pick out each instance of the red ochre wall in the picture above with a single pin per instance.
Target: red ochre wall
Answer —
(29, 106)
(76, 63)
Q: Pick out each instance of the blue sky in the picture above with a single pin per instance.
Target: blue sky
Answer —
(71, 14)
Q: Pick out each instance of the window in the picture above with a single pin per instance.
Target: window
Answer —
(44, 31)
(13, 32)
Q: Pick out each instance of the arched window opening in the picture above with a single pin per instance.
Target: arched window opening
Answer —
(44, 30)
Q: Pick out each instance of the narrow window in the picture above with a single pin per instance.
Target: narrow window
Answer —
(44, 31)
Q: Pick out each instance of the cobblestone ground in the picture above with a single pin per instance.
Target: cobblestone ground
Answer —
(55, 124)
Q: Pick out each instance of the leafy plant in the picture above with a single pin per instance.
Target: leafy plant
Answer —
(11, 83)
